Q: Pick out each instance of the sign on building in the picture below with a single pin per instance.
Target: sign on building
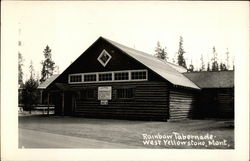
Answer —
(104, 93)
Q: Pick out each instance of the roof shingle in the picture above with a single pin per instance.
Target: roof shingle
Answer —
(221, 79)
(47, 82)
(168, 71)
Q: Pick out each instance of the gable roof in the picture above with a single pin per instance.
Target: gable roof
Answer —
(221, 79)
(168, 71)
(47, 82)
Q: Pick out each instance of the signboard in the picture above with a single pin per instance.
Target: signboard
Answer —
(104, 102)
(104, 93)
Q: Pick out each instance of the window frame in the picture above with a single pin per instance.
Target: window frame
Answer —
(113, 76)
(89, 75)
(77, 74)
(146, 75)
(101, 61)
(125, 98)
(116, 72)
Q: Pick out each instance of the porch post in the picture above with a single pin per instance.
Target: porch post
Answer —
(63, 103)
(41, 96)
(73, 103)
(48, 104)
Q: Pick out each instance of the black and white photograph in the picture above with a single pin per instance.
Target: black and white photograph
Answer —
(132, 76)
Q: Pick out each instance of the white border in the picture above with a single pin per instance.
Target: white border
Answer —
(9, 119)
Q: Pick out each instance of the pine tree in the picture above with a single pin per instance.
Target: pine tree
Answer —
(233, 64)
(208, 67)
(48, 65)
(215, 65)
(202, 68)
(181, 60)
(31, 69)
(30, 93)
(191, 68)
(223, 67)
(161, 52)
(227, 59)
(20, 70)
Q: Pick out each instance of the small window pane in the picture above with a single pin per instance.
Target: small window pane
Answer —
(139, 75)
(87, 94)
(121, 76)
(105, 77)
(125, 93)
(75, 78)
(90, 78)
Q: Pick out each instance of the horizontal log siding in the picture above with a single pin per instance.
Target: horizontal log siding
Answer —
(181, 104)
(226, 103)
(217, 103)
(150, 102)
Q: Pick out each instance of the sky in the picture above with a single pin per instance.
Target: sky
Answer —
(69, 28)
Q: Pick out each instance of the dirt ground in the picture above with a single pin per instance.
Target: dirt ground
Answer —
(186, 134)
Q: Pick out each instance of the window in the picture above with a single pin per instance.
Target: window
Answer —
(125, 93)
(109, 76)
(90, 78)
(104, 58)
(138, 75)
(76, 78)
(87, 94)
(105, 77)
(121, 76)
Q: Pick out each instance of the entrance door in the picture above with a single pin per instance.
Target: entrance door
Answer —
(68, 103)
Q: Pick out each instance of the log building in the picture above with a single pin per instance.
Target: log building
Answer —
(110, 80)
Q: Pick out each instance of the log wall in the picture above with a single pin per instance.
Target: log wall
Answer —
(216, 103)
(226, 102)
(150, 102)
(181, 104)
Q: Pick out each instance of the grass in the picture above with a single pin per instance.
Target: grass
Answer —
(130, 132)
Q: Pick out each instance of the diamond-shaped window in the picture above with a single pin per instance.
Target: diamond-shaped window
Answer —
(104, 58)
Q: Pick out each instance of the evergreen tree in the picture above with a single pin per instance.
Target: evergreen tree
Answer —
(174, 59)
(233, 64)
(208, 67)
(161, 52)
(227, 59)
(31, 69)
(202, 68)
(215, 65)
(181, 60)
(30, 93)
(20, 70)
(191, 67)
(223, 67)
(48, 65)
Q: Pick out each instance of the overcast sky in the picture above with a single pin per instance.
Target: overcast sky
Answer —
(69, 28)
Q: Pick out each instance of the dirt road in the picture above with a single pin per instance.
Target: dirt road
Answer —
(38, 139)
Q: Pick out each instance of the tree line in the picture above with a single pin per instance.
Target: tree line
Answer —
(212, 65)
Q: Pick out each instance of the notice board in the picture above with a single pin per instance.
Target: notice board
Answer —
(105, 93)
